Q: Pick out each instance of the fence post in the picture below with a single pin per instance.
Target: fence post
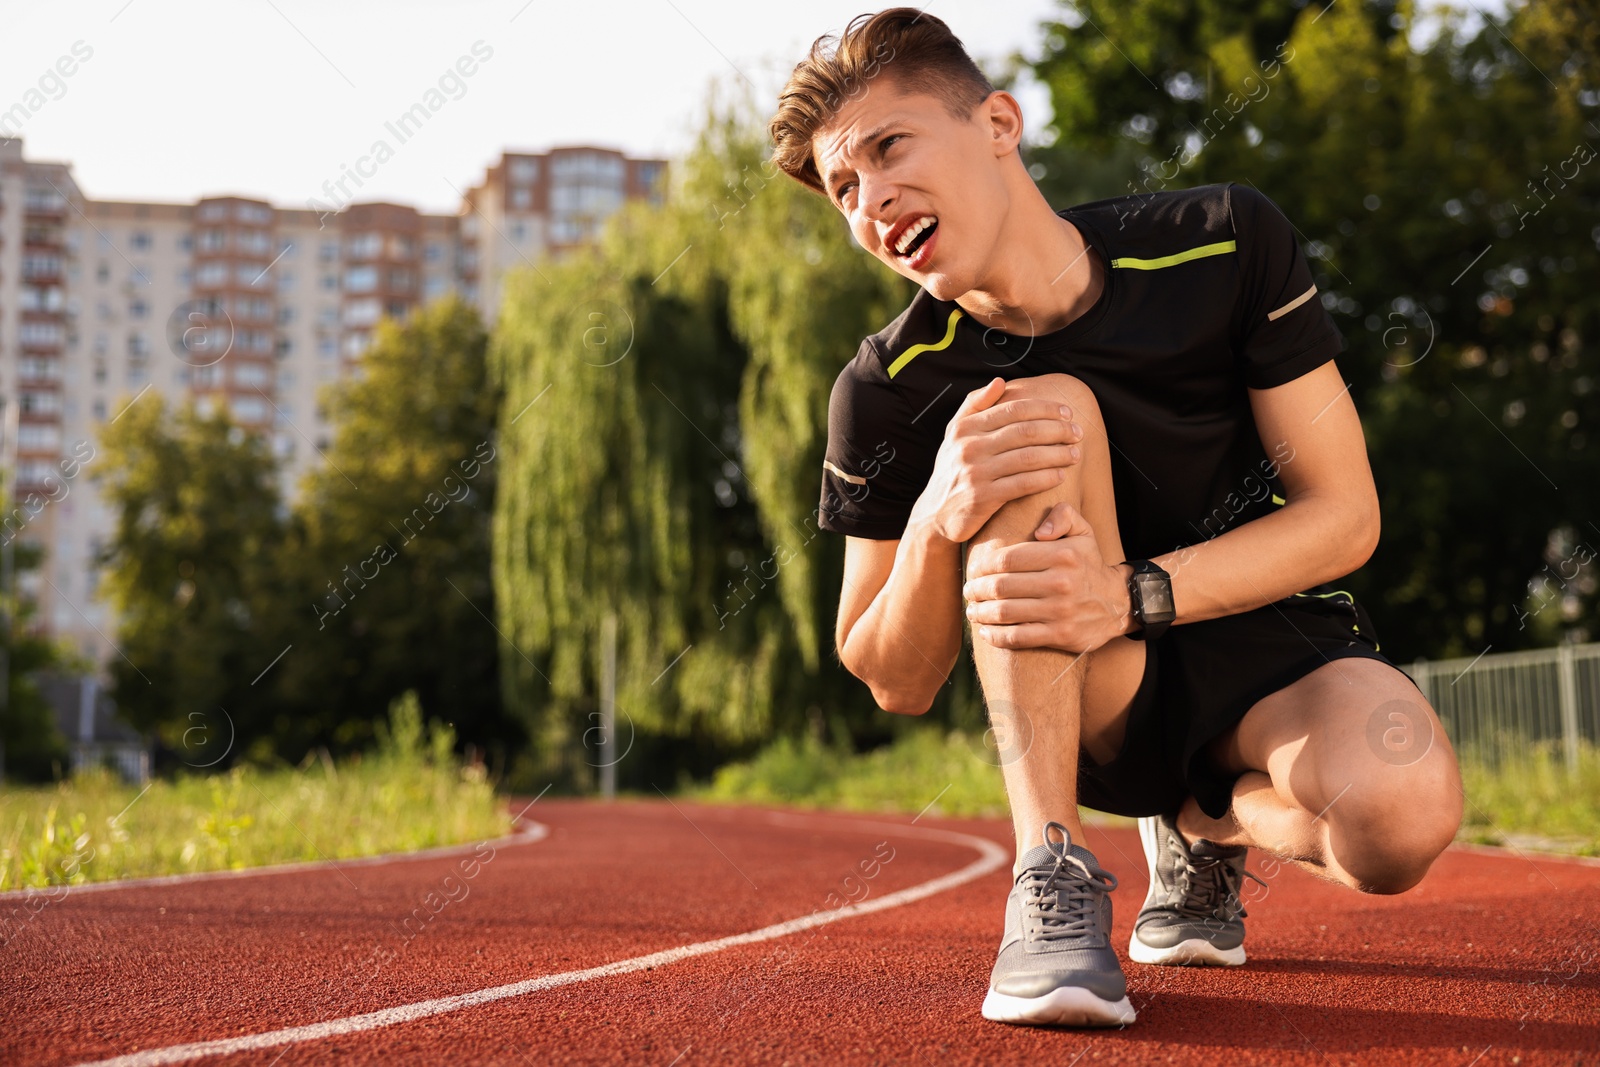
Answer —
(1421, 675)
(1567, 688)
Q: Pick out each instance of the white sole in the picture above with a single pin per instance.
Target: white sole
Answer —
(1068, 1006)
(1195, 952)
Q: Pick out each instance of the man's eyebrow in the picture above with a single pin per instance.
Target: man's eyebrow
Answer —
(865, 139)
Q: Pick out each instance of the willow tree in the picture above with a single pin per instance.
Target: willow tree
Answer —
(663, 428)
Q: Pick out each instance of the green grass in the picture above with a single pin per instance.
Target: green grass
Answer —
(1530, 801)
(953, 772)
(411, 794)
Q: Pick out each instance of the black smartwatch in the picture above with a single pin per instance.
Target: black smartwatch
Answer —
(1150, 596)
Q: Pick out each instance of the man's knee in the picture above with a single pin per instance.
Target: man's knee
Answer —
(1015, 521)
(1387, 829)
(1063, 388)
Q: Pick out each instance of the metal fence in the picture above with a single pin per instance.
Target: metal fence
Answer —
(1494, 703)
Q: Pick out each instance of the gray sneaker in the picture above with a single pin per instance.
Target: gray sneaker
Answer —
(1193, 914)
(1056, 965)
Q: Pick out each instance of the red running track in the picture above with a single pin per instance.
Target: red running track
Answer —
(1491, 960)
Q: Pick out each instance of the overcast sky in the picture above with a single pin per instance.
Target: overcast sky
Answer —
(271, 98)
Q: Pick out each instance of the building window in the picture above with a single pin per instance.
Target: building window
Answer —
(40, 402)
(521, 199)
(33, 437)
(42, 333)
(251, 375)
(138, 309)
(140, 240)
(248, 408)
(39, 369)
(524, 170)
(361, 312)
(434, 252)
(41, 265)
(365, 246)
(45, 299)
(35, 471)
(213, 275)
(360, 279)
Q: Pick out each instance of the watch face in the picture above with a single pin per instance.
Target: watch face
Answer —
(1155, 597)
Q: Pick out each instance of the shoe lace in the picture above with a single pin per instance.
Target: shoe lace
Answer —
(1210, 886)
(1065, 897)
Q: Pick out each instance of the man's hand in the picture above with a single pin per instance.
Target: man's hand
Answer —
(994, 453)
(1053, 592)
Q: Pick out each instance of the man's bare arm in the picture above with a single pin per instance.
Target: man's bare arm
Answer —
(1327, 528)
(899, 627)
(900, 621)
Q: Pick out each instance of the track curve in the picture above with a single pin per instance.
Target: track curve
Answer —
(658, 932)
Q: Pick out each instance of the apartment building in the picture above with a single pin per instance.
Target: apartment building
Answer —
(235, 303)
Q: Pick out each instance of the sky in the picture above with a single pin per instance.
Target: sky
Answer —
(171, 100)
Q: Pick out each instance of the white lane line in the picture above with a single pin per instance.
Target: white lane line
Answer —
(527, 835)
(991, 857)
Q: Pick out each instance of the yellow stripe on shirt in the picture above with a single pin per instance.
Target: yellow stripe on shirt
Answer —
(1220, 248)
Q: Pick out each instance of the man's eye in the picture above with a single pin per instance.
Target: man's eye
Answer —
(887, 141)
(845, 189)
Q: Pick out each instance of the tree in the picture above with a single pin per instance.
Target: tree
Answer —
(665, 420)
(34, 749)
(194, 573)
(392, 565)
(1446, 196)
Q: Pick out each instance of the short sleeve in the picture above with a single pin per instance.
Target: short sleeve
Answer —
(877, 463)
(1284, 330)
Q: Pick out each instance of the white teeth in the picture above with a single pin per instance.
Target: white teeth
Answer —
(911, 233)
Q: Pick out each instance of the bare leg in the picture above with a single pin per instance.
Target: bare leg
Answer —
(1347, 773)
(1044, 702)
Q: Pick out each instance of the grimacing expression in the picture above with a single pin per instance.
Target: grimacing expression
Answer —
(921, 189)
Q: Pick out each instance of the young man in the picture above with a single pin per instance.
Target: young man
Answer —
(1129, 416)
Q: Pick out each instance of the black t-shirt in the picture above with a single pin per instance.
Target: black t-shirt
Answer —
(1206, 295)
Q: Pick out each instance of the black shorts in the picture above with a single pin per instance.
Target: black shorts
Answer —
(1199, 680)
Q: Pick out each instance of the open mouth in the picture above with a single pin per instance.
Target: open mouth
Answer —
(915, 236)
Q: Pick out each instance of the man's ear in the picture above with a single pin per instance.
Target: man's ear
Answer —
(1002, 118)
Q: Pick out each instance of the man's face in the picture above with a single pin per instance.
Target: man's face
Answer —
(921, 189)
